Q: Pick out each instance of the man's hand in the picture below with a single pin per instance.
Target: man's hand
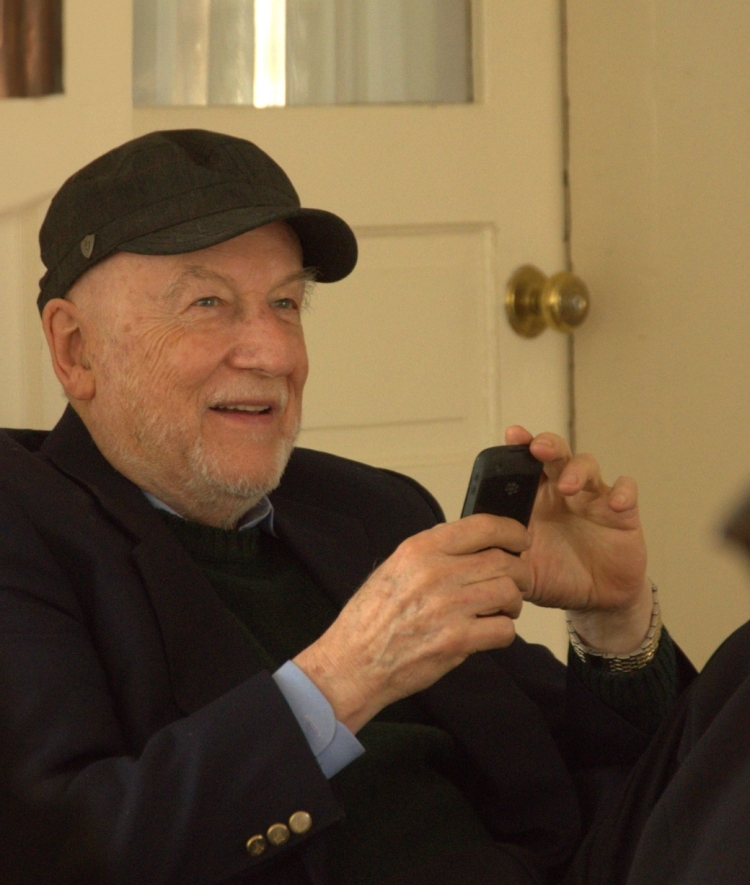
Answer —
(443, 594)
(588, 554)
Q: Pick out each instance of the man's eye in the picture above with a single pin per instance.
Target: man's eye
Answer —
(286, 304)
(207, 301)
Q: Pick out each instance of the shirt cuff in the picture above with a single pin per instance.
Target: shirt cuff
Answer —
(332, 744)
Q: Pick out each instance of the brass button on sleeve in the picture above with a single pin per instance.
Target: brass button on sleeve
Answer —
(300, 822)
(278, 834)
(256, 845)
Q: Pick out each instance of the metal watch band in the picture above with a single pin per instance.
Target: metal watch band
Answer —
(617, 663)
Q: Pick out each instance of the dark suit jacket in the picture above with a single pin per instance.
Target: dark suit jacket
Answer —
(133, 695)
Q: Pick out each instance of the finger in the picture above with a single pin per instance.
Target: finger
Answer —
(517, 436)
(553, 451)
(493, 632)
(580, 474)
(480, 531)
(475, 572)
(498, 597)
(624, 495)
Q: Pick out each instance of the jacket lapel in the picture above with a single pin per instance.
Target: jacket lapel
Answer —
(335, 549)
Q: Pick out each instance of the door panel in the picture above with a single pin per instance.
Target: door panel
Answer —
(399, 353)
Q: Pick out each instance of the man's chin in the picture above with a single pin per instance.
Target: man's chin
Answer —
(237, 482)
(247, 489)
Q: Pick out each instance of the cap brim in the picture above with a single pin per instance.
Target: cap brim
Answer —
(328, 243)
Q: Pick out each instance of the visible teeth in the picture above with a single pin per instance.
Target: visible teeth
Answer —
(243, 408)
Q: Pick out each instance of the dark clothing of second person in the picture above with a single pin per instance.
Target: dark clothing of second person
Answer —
(684, 816)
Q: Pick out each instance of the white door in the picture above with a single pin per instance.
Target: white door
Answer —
(413, 365)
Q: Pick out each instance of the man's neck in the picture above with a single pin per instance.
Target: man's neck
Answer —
(255, 515)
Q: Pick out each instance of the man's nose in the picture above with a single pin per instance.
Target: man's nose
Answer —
(264, 342)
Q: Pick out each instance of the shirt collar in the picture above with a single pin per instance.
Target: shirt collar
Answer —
(261, 514)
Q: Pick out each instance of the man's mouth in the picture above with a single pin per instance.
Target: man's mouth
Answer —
(257, 410)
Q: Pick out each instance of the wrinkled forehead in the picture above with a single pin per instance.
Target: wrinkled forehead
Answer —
(124, 279)
(118, 279)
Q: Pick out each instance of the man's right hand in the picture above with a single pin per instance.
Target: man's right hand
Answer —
(443, 594)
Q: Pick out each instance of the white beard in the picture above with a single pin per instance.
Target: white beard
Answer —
(139, 451)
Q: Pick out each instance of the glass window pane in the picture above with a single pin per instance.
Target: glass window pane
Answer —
(301, 52)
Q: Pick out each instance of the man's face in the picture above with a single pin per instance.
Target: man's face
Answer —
(200, 362)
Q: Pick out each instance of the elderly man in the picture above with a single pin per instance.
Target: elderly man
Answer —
(200, 662)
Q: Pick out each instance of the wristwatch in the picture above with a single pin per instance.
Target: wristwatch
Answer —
(615, 663)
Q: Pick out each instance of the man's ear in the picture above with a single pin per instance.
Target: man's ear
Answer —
(64, 330)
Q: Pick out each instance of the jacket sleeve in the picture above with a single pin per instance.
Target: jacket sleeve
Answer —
(164, 797)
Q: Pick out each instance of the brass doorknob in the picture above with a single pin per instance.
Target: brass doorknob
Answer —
(534, 301)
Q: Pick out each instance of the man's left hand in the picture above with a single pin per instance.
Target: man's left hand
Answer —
(588, 553)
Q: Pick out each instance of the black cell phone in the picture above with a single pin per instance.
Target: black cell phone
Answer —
(504, 482)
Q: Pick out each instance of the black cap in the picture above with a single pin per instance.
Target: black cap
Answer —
(177, 191)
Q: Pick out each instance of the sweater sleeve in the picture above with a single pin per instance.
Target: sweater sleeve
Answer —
(642, 697)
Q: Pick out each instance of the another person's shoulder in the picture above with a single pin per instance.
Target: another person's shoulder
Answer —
(329, 481)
